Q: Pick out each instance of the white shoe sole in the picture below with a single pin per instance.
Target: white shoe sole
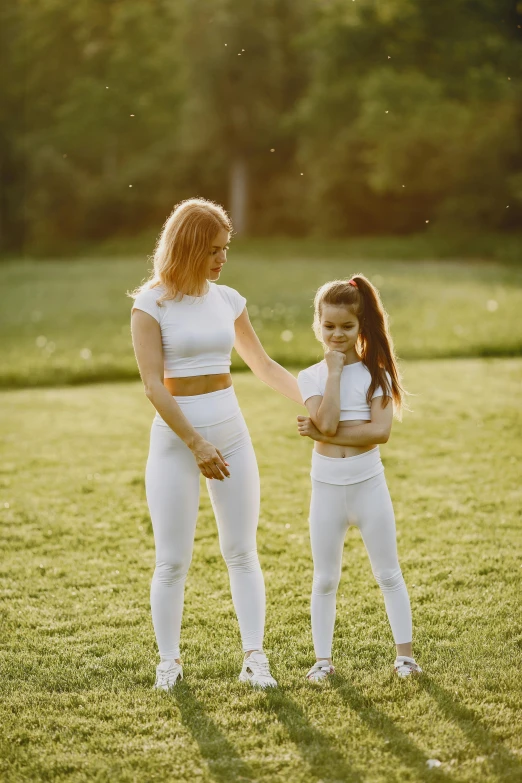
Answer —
(318, 680)
(413, 673)
(166, 688)
(245, 677)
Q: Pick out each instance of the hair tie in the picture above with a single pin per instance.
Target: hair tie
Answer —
(352, 282)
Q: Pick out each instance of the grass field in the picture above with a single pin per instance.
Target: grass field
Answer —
(77, 647)
(67, 321)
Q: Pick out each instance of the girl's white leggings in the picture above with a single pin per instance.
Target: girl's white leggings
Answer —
(366, 504)
(172, 483)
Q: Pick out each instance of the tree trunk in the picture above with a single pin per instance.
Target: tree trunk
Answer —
(239, 195)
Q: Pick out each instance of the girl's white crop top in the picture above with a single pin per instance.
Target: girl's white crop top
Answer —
(355, 381)
(197, 332)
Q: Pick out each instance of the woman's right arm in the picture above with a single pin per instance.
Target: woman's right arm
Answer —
(146, 339)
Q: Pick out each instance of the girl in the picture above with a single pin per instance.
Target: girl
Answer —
(350, 397)
(183, 328)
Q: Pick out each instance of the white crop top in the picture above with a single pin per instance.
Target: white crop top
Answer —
(197, 332)
(355, 381)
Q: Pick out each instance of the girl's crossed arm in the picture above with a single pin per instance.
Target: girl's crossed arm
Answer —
(325, 410)
(375, 431)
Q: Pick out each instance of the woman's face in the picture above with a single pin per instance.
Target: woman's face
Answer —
(218, 254)
(339, 328)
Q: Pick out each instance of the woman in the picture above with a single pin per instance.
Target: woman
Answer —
(184, 326)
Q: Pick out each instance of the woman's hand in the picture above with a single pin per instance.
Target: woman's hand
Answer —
(210, 460)
(334, 361)
(308, 429)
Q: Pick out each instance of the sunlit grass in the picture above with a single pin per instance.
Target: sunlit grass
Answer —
(68, 321)
(77, 647)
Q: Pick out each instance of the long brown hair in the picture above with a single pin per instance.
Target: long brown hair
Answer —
(374, 344)
(183, 247)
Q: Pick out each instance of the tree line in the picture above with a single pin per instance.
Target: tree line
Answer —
(317, 117)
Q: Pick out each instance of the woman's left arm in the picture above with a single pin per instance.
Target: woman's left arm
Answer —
(249, 347)
(375, 431)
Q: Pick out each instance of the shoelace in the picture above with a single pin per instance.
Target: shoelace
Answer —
(172, 673)
(261, 667)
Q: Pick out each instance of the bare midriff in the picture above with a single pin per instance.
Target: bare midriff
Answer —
(197, 384)
(333, 450)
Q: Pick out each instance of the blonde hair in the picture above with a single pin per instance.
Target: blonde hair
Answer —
(374, 344)
(183, 247)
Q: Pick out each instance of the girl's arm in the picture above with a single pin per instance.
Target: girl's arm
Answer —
(375, 431)
(249, 347)
(146, 339)
(325, 410)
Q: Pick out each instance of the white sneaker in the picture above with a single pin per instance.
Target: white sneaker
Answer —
(256, 671)
(405, 666)
(320, 671)
(167, 675)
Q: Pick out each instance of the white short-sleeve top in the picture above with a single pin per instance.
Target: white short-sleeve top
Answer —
(197, 332)
(355, 382)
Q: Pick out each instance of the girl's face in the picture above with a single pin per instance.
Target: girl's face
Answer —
(218, 254)
(339, 328)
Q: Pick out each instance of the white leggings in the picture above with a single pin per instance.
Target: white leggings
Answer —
(366, 504)
(172, 483)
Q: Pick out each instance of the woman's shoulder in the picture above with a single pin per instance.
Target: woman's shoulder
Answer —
(234, 298)
(149, 294)
(226, 290)
(147, 300)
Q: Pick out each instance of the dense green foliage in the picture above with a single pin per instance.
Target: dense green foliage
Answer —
(347, 117)
(77, 647)
(68, 322)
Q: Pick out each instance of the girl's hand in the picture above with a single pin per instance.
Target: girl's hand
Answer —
(334, 361)
(210, 460)
(308, 429)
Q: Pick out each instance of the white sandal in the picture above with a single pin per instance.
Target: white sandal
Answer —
(320, 671)
(405, 666)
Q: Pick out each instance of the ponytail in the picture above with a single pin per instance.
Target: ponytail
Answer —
(374, 344)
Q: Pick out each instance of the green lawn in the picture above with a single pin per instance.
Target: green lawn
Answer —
(67, 321)
(77, 647)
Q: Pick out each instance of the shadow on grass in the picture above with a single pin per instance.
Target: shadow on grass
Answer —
(316, 749)
(398, 742)
(502, 761)
(224, 762)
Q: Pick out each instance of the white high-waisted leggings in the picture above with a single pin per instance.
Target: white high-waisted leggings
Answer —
(172, 483)
(367, 504)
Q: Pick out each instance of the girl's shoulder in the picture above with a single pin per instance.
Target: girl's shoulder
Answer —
(311, 381)
(314, 371)
(379, 392)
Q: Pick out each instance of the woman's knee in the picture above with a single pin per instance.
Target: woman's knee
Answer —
(389, 580)
(325, 583)
(171, 571)
(244, 562)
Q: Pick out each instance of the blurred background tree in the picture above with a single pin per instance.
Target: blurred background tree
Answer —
(319, 117)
